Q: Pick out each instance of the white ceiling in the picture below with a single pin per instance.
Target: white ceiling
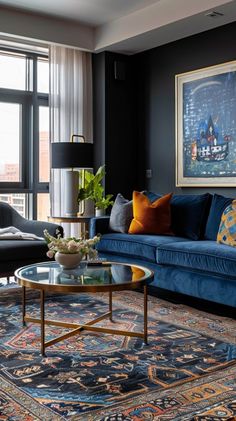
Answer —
(90, 12)
(126, 26)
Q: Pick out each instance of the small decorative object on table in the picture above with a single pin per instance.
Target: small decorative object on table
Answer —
(69, 252)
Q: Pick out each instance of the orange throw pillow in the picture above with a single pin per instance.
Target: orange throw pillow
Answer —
(151, 217)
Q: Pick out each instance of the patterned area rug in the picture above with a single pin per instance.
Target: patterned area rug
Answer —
(187, 371)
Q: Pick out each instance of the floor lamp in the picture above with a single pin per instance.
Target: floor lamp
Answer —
(72, 156)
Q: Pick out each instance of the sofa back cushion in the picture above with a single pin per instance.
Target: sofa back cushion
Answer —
(218, 205)
(188, 213)
(151, 217)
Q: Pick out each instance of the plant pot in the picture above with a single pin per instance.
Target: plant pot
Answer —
(100, 212)
(89, 208)
(68, 261)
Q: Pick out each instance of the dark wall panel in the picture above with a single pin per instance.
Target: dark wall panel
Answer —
(156, 70)
(99, 108)
(114, 121)
(121, 157)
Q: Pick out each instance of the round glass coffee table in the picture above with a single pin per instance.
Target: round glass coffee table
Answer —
(89, 278)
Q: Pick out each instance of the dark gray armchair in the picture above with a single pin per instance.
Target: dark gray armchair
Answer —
(17, 253)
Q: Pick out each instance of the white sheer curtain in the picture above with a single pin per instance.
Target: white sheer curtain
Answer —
(70, 103)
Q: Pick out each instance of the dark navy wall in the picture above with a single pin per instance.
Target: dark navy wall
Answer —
(99, 111)
(155, 71)
(134, 117)
(115, 122)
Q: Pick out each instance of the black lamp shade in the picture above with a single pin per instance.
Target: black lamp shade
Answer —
(72, 155)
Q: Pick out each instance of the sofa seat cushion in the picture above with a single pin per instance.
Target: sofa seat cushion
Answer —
(22, 250)
(207, 256)
(135, 245)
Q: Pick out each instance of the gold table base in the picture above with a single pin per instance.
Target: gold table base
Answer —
(78, 328)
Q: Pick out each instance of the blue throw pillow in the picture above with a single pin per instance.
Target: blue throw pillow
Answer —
(218, 205)
(188, 214)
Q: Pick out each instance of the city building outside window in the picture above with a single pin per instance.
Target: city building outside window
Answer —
(24, 132)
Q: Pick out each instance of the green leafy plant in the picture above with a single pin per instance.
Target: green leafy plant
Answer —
(94, 190)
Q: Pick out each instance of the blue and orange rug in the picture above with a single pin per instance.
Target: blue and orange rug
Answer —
(187, 372)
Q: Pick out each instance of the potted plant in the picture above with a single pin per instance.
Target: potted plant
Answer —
(68, 252)
(94, 190)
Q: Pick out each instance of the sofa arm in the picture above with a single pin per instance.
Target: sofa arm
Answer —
(10, 217)
(99, 225)
(35, 227)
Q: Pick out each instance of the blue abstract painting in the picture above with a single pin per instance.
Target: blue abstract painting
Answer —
(209, 126)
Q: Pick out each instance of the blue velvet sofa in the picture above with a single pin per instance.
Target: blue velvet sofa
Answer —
(189, 262)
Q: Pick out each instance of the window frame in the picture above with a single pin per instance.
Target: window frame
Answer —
(30, 100)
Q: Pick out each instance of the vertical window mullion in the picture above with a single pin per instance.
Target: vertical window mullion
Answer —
(27, 162)
(29, 74)
(23, 157)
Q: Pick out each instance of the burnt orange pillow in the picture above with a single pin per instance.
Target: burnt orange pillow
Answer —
(151, 217)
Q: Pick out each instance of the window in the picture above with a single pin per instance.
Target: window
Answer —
(11, 140)
(42, 206)
(13, 71)
(24, 132)
(42, 75)
(17, 201)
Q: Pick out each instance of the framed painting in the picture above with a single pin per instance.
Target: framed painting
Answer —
(206, 127)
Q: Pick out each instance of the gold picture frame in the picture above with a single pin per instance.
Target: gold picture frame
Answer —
(205, 115)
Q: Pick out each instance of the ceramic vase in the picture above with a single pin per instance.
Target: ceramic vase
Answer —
(68, 261)
(100, 212)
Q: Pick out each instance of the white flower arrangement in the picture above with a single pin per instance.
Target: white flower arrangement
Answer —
(71, 245)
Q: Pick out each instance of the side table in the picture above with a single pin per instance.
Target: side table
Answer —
(83, 220)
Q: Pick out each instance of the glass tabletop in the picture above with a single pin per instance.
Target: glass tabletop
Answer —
(86, 274)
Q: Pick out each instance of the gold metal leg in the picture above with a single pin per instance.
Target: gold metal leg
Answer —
(23, 306)
(42, 317)
(145, 314)
(78, 328)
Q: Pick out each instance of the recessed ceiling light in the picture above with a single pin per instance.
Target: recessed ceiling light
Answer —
(214, 14)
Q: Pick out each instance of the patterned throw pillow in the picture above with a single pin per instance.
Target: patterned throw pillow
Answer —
(227, 229)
